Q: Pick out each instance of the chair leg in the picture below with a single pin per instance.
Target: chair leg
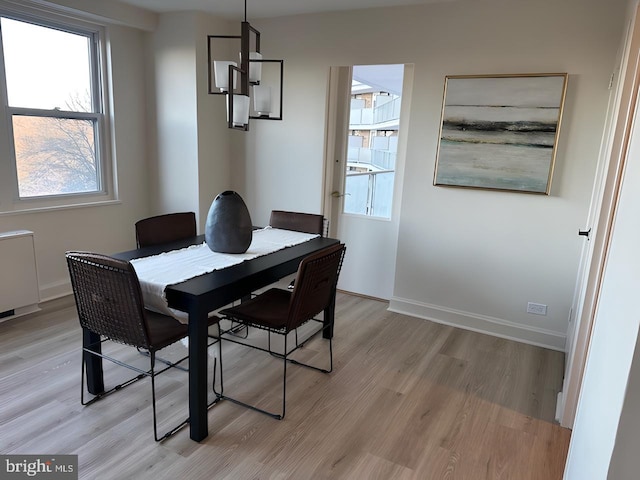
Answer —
(219, 395)
(141, 374)
(277, 416)
(96, 397)
(284, 376)
(285, 359)
(312, 367)
(211, 404)
(82, 379)
(330, 354)
(162, 360)
(152, 374)
(235, 330)
(152, 360)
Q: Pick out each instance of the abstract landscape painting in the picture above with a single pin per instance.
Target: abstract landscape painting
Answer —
(500, 132)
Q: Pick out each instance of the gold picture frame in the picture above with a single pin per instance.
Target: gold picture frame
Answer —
(500, 132)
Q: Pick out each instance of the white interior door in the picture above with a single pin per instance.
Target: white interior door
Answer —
(361, 171)
(602, 211)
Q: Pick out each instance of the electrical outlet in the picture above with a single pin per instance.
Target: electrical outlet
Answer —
(536, 308)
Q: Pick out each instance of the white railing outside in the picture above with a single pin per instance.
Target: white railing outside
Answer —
(382, 159)
(361, 116)
(388, 111)
(369, 193)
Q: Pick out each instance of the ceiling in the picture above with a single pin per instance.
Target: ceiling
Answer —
(234, 9)
(387, 78)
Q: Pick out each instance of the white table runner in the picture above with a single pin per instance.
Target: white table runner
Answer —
(158, 271)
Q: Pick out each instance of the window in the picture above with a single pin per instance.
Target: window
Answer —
(374, 123)
(55, 107)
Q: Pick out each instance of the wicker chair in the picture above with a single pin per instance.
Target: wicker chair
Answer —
(280, 311)
(300, 222)
(165, 228)
(109, 303)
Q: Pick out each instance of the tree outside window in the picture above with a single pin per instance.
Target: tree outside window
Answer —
(53, 99)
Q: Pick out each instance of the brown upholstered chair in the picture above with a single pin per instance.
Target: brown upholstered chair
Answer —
(165, 228)
(300, 222)
(109, 303)
(280, 311)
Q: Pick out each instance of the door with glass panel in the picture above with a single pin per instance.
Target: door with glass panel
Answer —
(365, 143)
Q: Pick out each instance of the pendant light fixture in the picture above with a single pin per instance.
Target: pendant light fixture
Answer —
(248, 89)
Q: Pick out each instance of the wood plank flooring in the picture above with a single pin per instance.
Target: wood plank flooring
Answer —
(407, 399)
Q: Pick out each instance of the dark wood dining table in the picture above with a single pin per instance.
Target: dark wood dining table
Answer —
(205, 293)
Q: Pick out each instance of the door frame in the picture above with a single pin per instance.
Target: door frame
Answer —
(336, 142)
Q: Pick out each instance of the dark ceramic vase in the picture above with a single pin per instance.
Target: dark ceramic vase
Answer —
(228, 228)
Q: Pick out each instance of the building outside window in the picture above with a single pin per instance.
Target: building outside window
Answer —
(372, 146)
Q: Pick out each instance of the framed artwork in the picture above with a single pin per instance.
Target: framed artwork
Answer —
(500, 132)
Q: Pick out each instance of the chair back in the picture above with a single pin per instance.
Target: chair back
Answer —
(165, 228)
(297, 221)
(108, 297)
(315, 284)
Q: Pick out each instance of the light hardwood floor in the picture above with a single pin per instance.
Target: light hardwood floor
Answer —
(408, 399)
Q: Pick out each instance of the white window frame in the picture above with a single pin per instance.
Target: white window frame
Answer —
(10, 201)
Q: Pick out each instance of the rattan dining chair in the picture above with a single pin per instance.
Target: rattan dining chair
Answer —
(109, 303)
(298, 221)
(165, 228)
(280, 311)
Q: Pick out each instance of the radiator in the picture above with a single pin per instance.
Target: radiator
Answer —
(19, 292)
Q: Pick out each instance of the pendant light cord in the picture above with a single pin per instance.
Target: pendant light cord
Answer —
(245, 10)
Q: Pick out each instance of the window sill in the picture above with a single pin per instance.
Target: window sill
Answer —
(24, 211)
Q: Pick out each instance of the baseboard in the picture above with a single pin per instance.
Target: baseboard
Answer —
(361, 295)
(48, 292)
(480, 323)
(559, 405)
(51, 291)
(19, 312)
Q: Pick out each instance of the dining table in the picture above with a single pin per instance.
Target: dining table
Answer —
(205, 293)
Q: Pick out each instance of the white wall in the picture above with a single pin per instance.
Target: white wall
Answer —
(468, 257)
(174, 165)
(191, 146)
(215, 157)
(171, 146)
(625, 462)
(106, 228)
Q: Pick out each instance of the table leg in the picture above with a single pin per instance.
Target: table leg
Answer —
(329, 315)
(199, 427)
(93, 363)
